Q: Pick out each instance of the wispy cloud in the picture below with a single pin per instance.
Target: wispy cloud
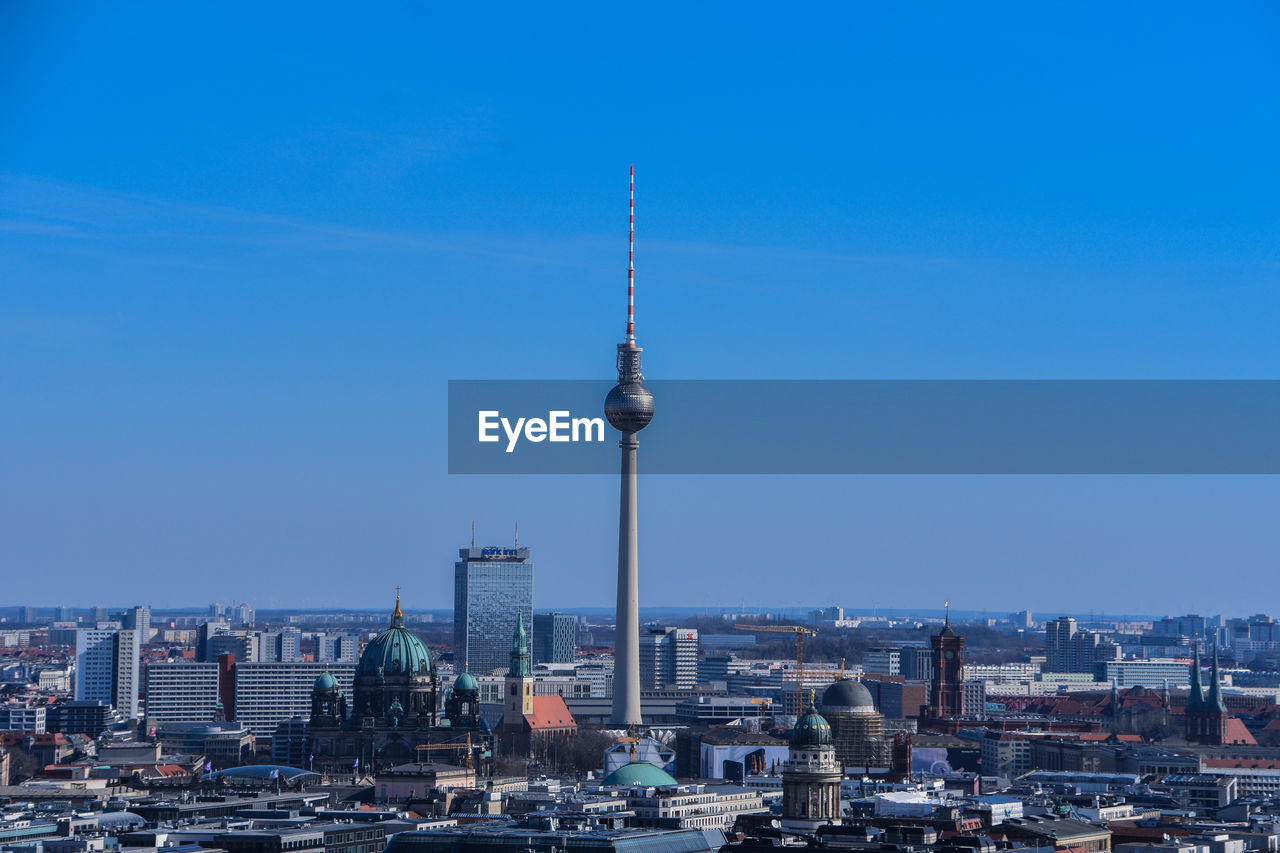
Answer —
(37, 206)
(43, 229)
(40, 207)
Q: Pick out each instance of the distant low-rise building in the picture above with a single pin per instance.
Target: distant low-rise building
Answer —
(1062, 834)
(223, 744)
(89, 717)
(1153, 673)
(312, 838)
(882, 660)
(692, 806)
(556, 834)
(23, 717)
(1009, 754)
(718, 710)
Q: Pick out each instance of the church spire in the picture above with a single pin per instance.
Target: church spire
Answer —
(519, 651)
(397, 615)
(1195, 701)
(1214, 702)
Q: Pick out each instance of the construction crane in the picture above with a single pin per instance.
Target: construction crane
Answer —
(800, 631)
(456, 747)
(634, 751)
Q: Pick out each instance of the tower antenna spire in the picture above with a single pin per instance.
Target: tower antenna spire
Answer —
(517, 539)
(631, 260)
(473, 534)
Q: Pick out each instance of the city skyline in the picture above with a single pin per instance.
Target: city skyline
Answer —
(324, 521)
(236, 311)
(653, 615)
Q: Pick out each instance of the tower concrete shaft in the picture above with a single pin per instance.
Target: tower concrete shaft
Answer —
(626, 658)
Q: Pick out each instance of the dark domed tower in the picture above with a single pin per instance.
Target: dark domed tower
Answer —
(328, 705)
(463, 705)
(396, 681)
(810, 776)
(629, 408)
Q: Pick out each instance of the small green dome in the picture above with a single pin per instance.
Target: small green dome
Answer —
(639, 774)
(466, 681)
(326, 681)
(812, 730)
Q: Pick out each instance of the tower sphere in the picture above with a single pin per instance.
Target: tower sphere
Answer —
(629, 407)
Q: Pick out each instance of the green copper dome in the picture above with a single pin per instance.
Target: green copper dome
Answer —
(396, 651)
(326, 681)
(639, 774)
(812, 730)
(466, 681)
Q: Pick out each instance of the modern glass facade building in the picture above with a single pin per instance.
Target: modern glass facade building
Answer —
(555, 638)
(490, 587)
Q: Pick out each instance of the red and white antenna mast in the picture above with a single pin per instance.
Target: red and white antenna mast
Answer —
(631, 262)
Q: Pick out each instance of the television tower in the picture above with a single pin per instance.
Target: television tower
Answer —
(629, 408)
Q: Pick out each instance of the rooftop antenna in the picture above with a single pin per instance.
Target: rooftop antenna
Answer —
(517, 534)
(473, 533)
(631, 261)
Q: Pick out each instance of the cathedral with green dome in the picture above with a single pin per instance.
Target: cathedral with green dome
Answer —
(394, 709)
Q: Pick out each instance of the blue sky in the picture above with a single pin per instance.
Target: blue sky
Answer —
(243, 248)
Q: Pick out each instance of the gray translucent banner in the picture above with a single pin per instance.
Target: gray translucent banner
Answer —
(875, 427)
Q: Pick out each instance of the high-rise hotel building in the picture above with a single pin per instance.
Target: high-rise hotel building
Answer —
(491, 588)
